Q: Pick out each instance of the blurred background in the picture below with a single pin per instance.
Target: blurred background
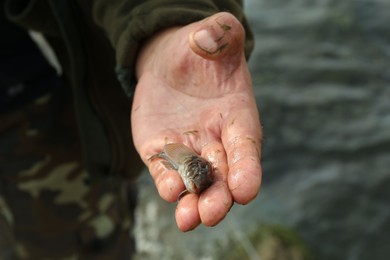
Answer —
(321, 72)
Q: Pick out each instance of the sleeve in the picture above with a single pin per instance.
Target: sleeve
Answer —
(129, 23)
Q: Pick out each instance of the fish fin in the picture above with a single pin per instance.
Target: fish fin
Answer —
(177, 152)
(166, 161)
(168, 165)
(155, 156)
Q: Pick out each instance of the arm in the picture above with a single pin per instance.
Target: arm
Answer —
(194, 89)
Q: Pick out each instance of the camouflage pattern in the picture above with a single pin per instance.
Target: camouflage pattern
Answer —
(49, 206)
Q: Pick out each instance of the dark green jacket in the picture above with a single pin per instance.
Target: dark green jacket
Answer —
(91, 38)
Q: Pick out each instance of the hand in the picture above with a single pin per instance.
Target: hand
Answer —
(195, 88)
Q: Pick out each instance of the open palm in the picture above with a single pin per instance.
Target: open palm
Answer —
(194, 88)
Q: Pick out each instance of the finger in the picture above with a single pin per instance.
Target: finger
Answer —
(216, 201)
(242, 140)
(217, 36)
(168, 182)
(187, 215)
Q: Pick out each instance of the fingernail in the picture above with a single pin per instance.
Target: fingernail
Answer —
(205, 41)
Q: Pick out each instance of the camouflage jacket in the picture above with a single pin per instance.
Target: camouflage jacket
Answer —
(91, 38)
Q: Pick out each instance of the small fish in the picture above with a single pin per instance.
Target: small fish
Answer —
(195, 171)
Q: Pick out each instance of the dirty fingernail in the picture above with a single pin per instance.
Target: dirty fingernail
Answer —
(205, 41)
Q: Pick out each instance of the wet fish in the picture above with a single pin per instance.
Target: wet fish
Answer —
(195, 171)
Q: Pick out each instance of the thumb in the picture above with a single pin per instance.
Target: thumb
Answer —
(218, 36)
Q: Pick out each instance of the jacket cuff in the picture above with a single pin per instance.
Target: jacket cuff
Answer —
(127, 79)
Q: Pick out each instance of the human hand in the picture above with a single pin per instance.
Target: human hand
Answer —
(195, 88)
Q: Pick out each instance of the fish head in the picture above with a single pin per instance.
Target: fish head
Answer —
(199, 174)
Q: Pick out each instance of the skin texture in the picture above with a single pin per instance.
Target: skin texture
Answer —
(195, 88)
